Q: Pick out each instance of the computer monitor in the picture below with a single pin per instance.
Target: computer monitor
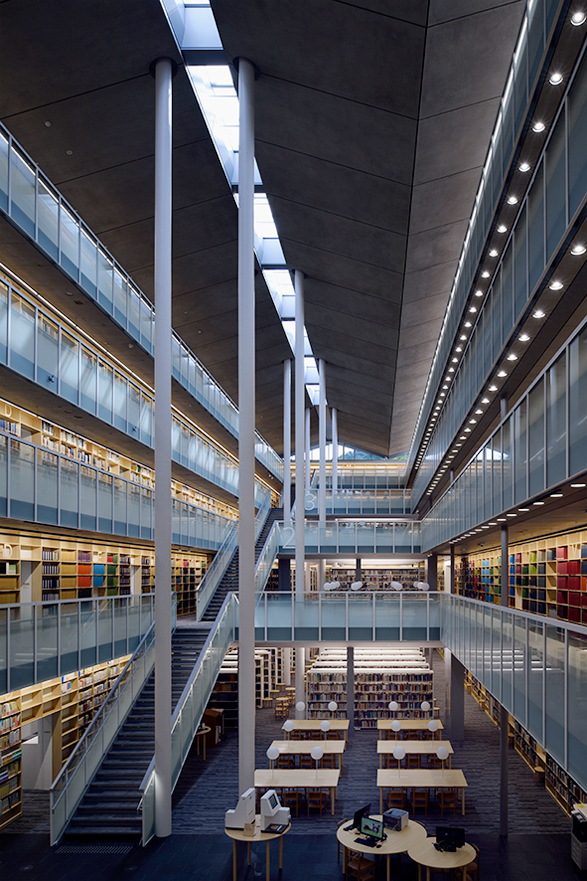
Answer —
(372, 828)
(360, 813)
(270, 803)
(450, 837)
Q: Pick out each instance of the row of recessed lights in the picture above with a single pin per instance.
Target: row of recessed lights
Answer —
(498, 520)
(556, 78)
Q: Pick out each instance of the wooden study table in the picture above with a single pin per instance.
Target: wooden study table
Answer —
(396, 842)
(421, 725)
(422, 778)
(340, 725)
(425, 854)
(267, 837)
(413, 748)
(298, 778)
(305, 747)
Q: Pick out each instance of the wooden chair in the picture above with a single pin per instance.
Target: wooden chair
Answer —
(413, 760)
(397, 798)
(420, 799)
(307, 762)
(360, 867)
(316, 800)
(340, 847)
(472, 869)
(285, 761)
(446, 799)
(328, 760)
(290, 798)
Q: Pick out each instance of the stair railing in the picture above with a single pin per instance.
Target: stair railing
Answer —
(189, 711)
(215, 572)
(76, 775)
(266, 559)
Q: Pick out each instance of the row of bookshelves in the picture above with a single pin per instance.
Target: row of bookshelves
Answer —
(269, 671)
(75, 698)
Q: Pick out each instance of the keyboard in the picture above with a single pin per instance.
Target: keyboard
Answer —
(370, 842)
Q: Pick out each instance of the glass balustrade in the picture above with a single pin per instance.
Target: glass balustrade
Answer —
(397, 537)
(43, 215)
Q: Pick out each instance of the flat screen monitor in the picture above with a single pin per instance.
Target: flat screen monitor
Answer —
(450, 837)
(272, 800)
(360, 813)
(372, 828)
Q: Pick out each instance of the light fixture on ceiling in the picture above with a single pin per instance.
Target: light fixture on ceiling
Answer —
(472, 309)
(578, 250)
(538, 503)
(485, 401)
(512, 200)
(493, 252)
(555, 285)
(511, 515)
(523, 510)
(459, 349)
(463, 337)
(577, 485)
(485, 274)
(524, 337)
(578, 18)
(512, 357)
(454, 360)
(467, 324)
(502, 228)
(479, 412)
(501, 374)
(524, 167)
(556, 495)
(539, 314)
(556, 78)
(538, 126)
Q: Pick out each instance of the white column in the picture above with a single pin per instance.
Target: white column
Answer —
(334, 452)
(322, 443)
(287, 442)
(246, 443)
(162, 259)
(308, 469)
(504, 719)
(300, 391)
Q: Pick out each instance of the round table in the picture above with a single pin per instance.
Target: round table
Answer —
(200, 738)
(396, 842)
(267, 837)
(425, 854)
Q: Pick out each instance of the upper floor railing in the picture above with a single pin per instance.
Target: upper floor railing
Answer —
(362, 502)
(355, 538)
(41, 213)
(40, 641)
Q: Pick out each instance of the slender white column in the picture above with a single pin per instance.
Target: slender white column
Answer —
(322, 443)
(308, 469)
(504, 720)
(162, 259)
(334, 452)
(246, 443)
(300, 392)
(287, 442)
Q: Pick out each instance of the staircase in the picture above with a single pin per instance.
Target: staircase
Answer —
(110, 806)
(230, 579)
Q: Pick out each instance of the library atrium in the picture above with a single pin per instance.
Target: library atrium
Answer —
(329, 507)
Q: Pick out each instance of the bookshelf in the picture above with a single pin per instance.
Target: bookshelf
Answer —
(187, 571)
(9, 581)
(377, 578)
(10, 759)
(380, 677)
(547, 576)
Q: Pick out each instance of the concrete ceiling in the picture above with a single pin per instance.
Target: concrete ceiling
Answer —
(373, 121)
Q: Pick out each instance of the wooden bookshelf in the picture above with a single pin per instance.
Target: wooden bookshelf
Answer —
(10, 758)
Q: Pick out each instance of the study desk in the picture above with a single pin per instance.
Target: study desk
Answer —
(340, 725)
(305, 747)
(425, 854)
(267, 837)
(421, 725)
(298, 778)
(413, 748)
(422, 778)
(396, 842)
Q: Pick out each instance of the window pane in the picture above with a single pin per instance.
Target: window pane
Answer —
(47, 352)
(119, 506)
(520, 268)
(88, 498)
(577, 109)
(555, 187)
(47, 477)
(506, 292)
(520, 493)
(69, 367)
(89, 379)
(134, 409)
(577, 398)
(48, 220)
(3, 172)
(3, 322)
(68, 498)
(105, 391)
(104, 502)
(120, 387)
(556, 421)
(3, 476)
(536, 438)
(22, 336)
(536, 228)
(507, 467)
(22, 209)
(22, 480)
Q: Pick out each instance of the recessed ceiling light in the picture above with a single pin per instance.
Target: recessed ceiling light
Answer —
(512, 200)
(501, 519)
(493, 253)
(467, 324)
(577, 485)
(538, 503)
(492, 388)
(524, 510)
(502, 228)
(556, 78)
(524, 167)
(493, 522)
(577, 250)
(69, 293)
(556, 495)
(459, 349)
(454, 360)
(524, 338)
(462, 437)
(578, 18)
(538, 126)
(69, 152)
(539, 314)
(555, 285)
(48, 124)
(463, 337)
(512, 357)
(478, 293)
(511, 515)
(451, 370)
(479, 412)
(485, 274)
(485, 527)
(501, 374)
(472, 422)
(467, 430)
